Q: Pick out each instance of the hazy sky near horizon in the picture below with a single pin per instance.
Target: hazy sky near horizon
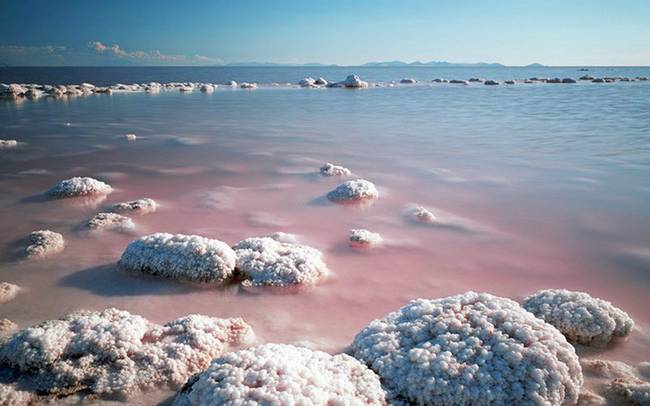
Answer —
(344, 32)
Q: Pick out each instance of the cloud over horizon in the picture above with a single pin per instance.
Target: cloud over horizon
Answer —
(152, 56)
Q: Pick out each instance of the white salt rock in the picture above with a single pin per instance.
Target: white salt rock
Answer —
(408, 81)
(644, 369)
(246, 85)
(182, 257)
(110, 222)
(115, 352)
(629, 391)
(79, 186)
(10, 395)
(7, 326)
(131, 137)
(362, 238)
(43, 243)
(606, 368)
(307, 82)
(8, 291)
(285, 237)
(8, 143)
(281, 374)
(580, 317)
(139, 206)
(589, 398)
(320, 82)
(267, 262)
(33, 93)
(231, 83)
(207, 88)
(420, 214)
(470, 349)
(351, 82)
(334, 170)
(352, 190)
(187, 89)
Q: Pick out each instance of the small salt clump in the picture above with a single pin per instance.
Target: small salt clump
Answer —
(43, 243)
(206, 88)
(361, 238)
(139, 206)
(351, 82)
(246, 85)
(307, 82)
(580, 317)
(8, 143)
(408, 81)
(469, 349)
(420, 214)
(131, 137)
(8, 291)
(110, 222)
(285, 237)
(115, 352)
(607, 369)
(281, 374)
(268, 262)
(184, 257)
(334, 170)
(79, 186)
(352, 190)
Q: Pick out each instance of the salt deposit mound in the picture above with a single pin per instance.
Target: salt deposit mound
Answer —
(354, 190)
(351, 82)
(139, 206)
(470, 349)
(8, 291)
(183, 257)
(280, 374)
(110, 222)
(131, 137)
(79, 186)
(10, 396)
(6, 326)
(629, 391)
(362, 238)
(115, 352)
(8, 143)
(580, 317)
(334, 170)
(268, 262)
(420, 214)
(43, 243)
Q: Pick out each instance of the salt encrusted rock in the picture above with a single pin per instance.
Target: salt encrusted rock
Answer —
(79, 186)
(459, 82)
(110, 222)
(184, 257)
(580, 317)
(588, 398)
(43, 243)
(351, 82)
(470, 349)
(115, 352)
(307, 82)
(131, 137)
(8, 143)
(491, 82)
(139, 206)
(206, 88)
(420, 214)
(11, 396)
(8, 291)
(509, 82)
(7, 326)
(408, 81)
(231, 83)
(334, 170)
(361, 238)
(285, 237)
(629, 391)
(352, 190)
(280, 374)
(321, 82)
(246, 85)
(607, 369)
(268, 262)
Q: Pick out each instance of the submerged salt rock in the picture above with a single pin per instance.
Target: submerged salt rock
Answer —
(362, 238)
(131, 137)
(588, 398)
(629, 391)
(408, 81)
(491, 82)
(285, 237)
(8, 143)
(183, 257)
(281, 374)
(470, 349)
(43, 243)
(8, 291)
(607, 369)
(420, 214)
(351, 82)
(580, 317)
(110, 222)
(334, 170)
(268, 262)
(115, 352)
(307, 82)
(246, 85)
(79, 186)
(139, 206)
(207, 88)
(321, 82)
(7, 326)
(352, 190)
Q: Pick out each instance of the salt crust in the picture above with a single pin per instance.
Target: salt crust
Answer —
(629, 391)
(10, 396)
(8, 143)
(6, 326)
(362, 238)
(352, 190)
(280, 374)
(8, 291)
(43, 243)
(334, 170)
(79, 186)
(139, 206)
(110, 222)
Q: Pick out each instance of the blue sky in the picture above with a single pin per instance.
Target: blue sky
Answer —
(513, 32)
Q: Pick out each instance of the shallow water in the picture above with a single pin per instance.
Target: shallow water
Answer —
(551, 184)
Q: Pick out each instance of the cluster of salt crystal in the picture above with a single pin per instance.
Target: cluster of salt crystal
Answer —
(359, 189)
(624, 386)
(8, 291)
(280, 374)
(115, 352)
(131, 137)
(8, 143)
(43, 243)
(629, 391)
(182, 257)
(110, 222)
(139, 206)
(351, 82)
(334, 170)
(408, 81)
(470, 349)
(311, 82)
(580, 317)
(7, 326)
(419, 214)
(265, 261)
(361, 238)
(12, 396)
(79, 186)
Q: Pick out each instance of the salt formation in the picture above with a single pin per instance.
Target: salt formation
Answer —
(606, 368)
(79, 186)
(268, 262)
(420, 214)
(491, 82)
(281, 374)
(6, 326)
(43, 243)
(459, 82)
(110, 222)
(580, 317)
(630, 391)
(361, 238)
(184, 257)
(131, 137)
(11, 396)
(246, 85)
(588, 398)
(8, 143)
(334, 170)
(139, 206)
(284, 237)
(115, 352)
(351, 82)
(408, 81)
(207, 88)
(352, 190)
(469, 349)
(8, 291)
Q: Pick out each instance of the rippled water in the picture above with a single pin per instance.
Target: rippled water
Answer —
(554, 181)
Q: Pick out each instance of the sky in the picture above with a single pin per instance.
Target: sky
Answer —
(343, 32)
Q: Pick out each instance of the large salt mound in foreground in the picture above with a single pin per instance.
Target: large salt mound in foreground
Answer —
(115, 352)
(267, 262)
(183, 257)
(580, 317)
(279, 374)
(353, 190)
(79, 186)
(470, 349)
(43, 243)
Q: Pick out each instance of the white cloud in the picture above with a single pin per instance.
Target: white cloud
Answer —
(154, 56)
